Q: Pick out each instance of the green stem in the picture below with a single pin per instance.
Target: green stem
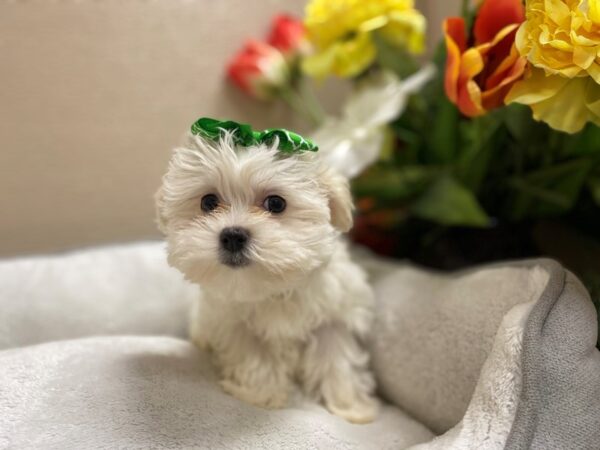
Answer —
(293, 100)
(304, 104)
(466, 8)
(312, 104)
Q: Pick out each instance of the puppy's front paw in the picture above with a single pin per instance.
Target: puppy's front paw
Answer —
(359, 411)
(263, 397)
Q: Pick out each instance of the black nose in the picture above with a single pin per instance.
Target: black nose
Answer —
(233, 239)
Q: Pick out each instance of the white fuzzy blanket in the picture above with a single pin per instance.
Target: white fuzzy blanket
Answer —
(448, 352)
(158, 392)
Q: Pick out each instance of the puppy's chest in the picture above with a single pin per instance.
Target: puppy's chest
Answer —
(291, 318)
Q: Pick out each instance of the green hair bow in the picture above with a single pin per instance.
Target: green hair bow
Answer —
(244, 135)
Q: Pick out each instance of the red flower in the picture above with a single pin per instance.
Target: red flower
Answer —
(258, 69)
(478, 78)
(288, 35)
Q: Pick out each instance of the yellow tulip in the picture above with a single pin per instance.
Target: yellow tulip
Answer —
(341, 32)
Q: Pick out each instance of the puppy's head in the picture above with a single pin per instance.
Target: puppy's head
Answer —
(250, 222)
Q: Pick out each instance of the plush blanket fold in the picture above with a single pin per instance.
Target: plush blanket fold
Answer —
(559, 404)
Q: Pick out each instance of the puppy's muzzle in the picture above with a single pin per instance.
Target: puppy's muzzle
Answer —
(232, 243)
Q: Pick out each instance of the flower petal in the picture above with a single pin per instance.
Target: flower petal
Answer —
(456, 42)
(560, 111)
(454, 28)
(564, 104)
(594, 71)
(503, 67)
(558, 12)
(320, 64)
(258, 68)
(345, 59)
(536, 87)
(594, 8)
(584, 56)
(406, 28)
(349, 24)
(494, 98)
(355, 55)
(469, 99)
(494, 15)
(287, 34)
(468, 92)
(472, 64)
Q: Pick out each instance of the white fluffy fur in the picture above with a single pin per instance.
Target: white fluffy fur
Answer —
(300, 309)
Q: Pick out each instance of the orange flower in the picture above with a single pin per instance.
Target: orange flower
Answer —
(478, 78)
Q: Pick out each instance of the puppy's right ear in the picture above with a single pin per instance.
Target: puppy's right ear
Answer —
(340, 199)
(159, 204)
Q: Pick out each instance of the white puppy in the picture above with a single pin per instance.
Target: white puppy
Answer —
(259, 230)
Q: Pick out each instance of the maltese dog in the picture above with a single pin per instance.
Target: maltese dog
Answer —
(259, 230)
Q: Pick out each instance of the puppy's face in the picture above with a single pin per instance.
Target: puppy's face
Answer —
(250, 222)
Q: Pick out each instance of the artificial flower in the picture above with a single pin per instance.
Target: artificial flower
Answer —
(354, 141)
(288, 35)
(561, 40)
(342, 33)
(566, 104)
(562, 37)
(478, 78)
(259, 69)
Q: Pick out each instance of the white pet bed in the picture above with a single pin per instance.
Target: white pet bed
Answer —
(95, 357)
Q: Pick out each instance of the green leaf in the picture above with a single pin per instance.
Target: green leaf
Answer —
(449, 203)
(549, 191)
(477, 151)
(518, 120)
(593, 184)
(402, 183)
(468, 13)
(443, 143)
(587, 142)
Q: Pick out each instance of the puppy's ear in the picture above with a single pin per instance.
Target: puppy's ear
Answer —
(340, 199)
(161, 220)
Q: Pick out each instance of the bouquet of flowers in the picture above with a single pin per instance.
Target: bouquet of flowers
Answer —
(489, 151)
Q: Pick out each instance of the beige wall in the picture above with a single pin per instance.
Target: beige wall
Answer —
(94, 93)
(436, 11)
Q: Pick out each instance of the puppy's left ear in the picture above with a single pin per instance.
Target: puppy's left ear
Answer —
(340, 199)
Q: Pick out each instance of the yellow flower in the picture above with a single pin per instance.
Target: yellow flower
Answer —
(562, 37)
(566, 104)
(561, 40)
(342, 33)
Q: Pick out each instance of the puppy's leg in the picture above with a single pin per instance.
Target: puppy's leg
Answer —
(335, 370)
(252, 371)
(200, 326)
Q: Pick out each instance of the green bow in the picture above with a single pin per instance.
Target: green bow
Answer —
(244, 135)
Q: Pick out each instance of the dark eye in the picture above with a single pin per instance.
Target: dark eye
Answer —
(209, 202)
(274, 204)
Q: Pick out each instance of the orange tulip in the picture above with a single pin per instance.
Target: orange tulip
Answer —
(478, 77)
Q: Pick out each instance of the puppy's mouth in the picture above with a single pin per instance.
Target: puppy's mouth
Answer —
(235, 260)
